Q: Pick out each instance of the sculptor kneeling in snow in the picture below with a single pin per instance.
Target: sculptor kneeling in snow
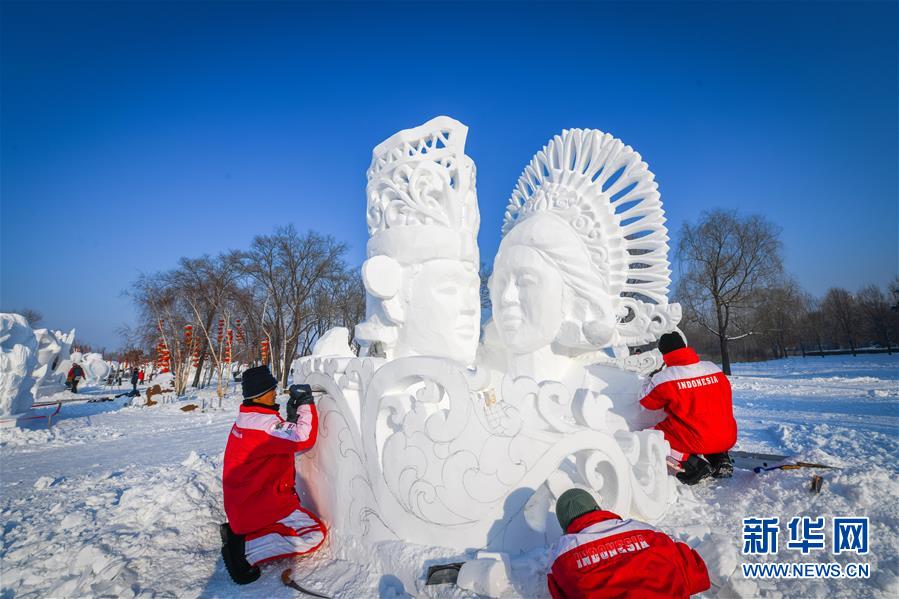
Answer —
(696, 397)
(265, 520)
(602, 555)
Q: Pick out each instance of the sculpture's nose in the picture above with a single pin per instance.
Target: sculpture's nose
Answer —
(509, 294)
(471, 302)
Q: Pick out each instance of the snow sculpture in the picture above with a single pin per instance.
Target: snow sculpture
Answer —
(583, 264)
(334, 342)
(421, 275)
(95, 367)
(18, 357)
(417, 440)
(52, 361)
(34, 363)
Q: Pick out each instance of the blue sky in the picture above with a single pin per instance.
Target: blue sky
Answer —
(136, 133)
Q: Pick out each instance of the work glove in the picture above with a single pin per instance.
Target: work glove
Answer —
(300, 395)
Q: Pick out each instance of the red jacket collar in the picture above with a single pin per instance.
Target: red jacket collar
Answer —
(259, 408)
(681, 357)
(589, 519)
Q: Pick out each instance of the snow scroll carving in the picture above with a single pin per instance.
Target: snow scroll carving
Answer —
(467, 446)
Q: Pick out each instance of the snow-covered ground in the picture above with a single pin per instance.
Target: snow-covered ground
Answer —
(125, 501)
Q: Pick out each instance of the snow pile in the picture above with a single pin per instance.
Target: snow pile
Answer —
(103, 533)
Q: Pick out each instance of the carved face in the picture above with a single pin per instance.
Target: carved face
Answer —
(443, 311)
(526, 292)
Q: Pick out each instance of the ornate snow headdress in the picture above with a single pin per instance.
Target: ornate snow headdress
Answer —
(604, 191)
(422, 201)
(422, 206)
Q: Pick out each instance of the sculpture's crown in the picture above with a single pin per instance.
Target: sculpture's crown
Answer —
(422, 201)
(610, 199)
(608, 196)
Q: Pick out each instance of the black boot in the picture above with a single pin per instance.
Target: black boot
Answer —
(233, 552)
(722, 466)
(695, 469)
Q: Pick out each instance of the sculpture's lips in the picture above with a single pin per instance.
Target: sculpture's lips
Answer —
(465, 330)
(511, 321)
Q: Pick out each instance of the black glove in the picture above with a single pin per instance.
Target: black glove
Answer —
(300, 395)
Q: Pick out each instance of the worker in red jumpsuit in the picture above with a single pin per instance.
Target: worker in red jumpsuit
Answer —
(696, 397)
(602, 556)
(265, 518)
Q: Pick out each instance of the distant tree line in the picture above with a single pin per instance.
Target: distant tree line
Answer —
(264, 304)
(740, 304)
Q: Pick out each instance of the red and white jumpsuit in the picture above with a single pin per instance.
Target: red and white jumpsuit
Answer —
(259, 483)
(603, 556)
(696, 396)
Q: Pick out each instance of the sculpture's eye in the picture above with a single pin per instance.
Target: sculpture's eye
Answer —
(527, 280)
(448, 290)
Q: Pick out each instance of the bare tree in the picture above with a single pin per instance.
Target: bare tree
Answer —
(841, 309)
(724, 260)
(779, 314)
(894, 292)
(289, 270)
(245, 299)
(163, 316)
(880, 321)
(33, 316)
(352, 304)
(812, 326)
(484, 274)
(134, 356)
(209, 285)
(341, 303)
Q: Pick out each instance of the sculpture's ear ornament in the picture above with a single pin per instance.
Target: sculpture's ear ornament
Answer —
(383, 276)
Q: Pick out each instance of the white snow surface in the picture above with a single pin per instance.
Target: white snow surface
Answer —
(126, 501)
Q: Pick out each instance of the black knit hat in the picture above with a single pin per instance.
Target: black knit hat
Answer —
(670, 342)
(572, 504)
(256, 381)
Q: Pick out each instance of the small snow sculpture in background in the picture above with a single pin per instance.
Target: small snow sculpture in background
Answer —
(18, 358)
(52, 361)
(95, 367)
(421, 275)
(34, 363)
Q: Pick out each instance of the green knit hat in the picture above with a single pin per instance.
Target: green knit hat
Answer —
(574, 503)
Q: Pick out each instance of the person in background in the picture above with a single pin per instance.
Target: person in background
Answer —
(696, 397)
(134, 379)
(600, 555)
(140, 376)
(265, 518)
(76, 373)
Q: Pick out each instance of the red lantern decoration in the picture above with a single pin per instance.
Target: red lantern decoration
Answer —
(265, 350)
